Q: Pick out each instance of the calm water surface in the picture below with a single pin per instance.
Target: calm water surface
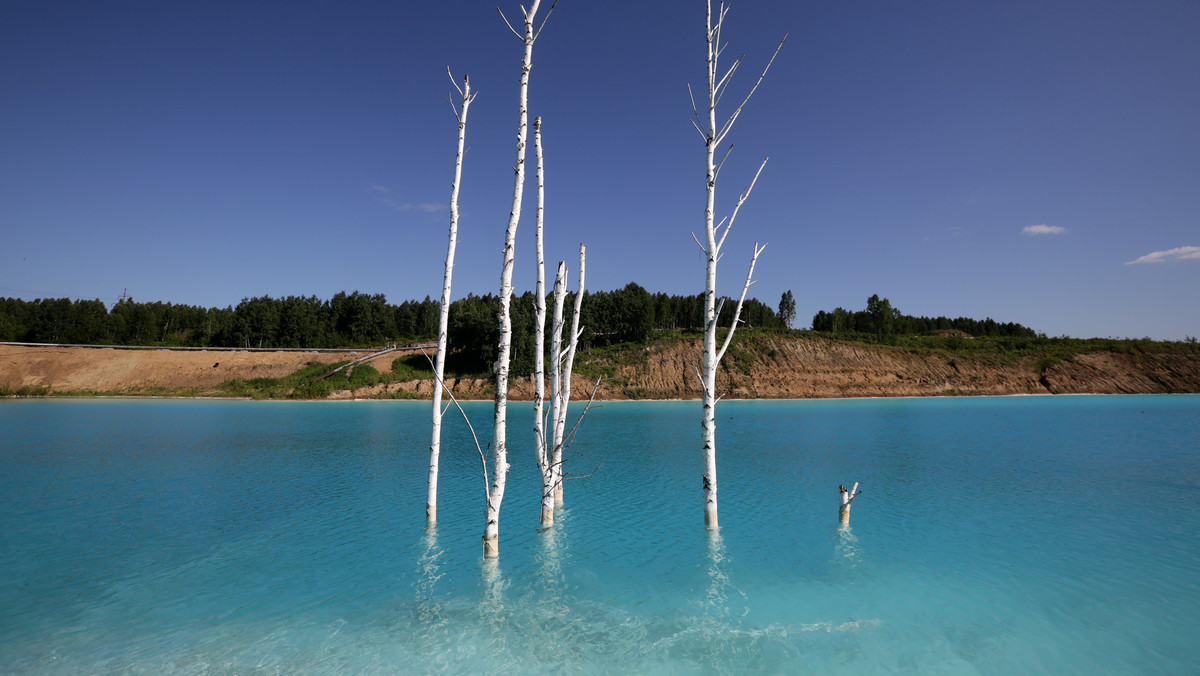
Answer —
(994, 536)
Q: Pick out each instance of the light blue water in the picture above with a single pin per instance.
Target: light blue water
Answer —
(994, 536)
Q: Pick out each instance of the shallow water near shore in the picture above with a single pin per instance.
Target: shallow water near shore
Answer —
(994, 535)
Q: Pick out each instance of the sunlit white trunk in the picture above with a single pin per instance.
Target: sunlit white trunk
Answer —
(708, 420)
(564, 397)
(491, 531)
(440, 361)
(847, 497)
(549, 471)
(539, 333)
(714, 136)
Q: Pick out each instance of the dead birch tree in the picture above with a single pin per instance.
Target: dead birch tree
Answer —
(491, 532)
(559, 414)
(460, 113)
(550, 450)
(714, 135)
(847, 497)
(543, 441)
(548, 445)
(539, 329)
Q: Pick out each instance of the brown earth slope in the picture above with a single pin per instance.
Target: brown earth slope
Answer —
(767, 366)
(142, 371)
(777, 367)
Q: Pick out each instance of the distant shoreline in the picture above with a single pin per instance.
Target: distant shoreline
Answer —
(767, 366)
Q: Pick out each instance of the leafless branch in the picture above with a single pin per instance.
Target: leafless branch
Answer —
(738, 312)
(462, 95)
(579, 421)
(723, 83)
(510, 27)
(742, 200)
(545, 19)
(738, 111)
(717, 171)
(482, 457)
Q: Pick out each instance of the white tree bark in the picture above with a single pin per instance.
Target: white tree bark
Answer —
(539, 333)
(564, 396)
(491, 531)
(549, 473)
(460, 112)
(847, 497)
(714, 136)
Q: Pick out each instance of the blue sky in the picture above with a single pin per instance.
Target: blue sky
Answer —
(1034, 162)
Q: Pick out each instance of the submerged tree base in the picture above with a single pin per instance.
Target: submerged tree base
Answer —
(847, 499)
(491, 547)
(710, 518)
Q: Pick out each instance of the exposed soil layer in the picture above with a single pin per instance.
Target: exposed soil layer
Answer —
(767, 367)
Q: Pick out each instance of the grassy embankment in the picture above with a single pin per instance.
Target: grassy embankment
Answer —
(318, 380)
(749, 346)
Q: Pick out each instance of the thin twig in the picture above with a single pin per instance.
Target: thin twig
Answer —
(738, 111)
(545, 19)
(514, 31)
(579, 420)
(482, 457)
(742, 200)
(717, 170)
(738, 312)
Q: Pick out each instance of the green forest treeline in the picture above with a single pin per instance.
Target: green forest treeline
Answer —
(356, 319)
(627, 316)
(881, 319)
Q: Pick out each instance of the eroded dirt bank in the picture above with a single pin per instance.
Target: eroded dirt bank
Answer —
(767, 367)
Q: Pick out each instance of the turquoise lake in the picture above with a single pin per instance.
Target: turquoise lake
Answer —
(994, 536)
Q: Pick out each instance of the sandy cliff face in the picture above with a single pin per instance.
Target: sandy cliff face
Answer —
(772, 367)
(802, 367)
(119, 371)
(786, 368)
(1121, 373)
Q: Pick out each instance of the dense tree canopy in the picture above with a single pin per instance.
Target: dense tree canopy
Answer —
(881, 319)
(627, 315)
(348, 320)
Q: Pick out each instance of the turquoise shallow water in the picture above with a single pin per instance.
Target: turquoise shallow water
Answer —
(994, 536)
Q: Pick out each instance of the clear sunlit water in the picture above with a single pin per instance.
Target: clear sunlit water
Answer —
(994, 536)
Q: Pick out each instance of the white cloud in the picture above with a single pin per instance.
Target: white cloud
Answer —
(1044, 229)
(1183, 253)
(382, 195)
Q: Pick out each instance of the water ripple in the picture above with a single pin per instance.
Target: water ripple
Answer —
(999, 536)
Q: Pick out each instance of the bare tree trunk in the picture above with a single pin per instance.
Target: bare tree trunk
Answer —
(568, 364)
(847, 497)
(549, 473)
(539, 329)
(491, 532)
(714, 136)
(440, 363)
